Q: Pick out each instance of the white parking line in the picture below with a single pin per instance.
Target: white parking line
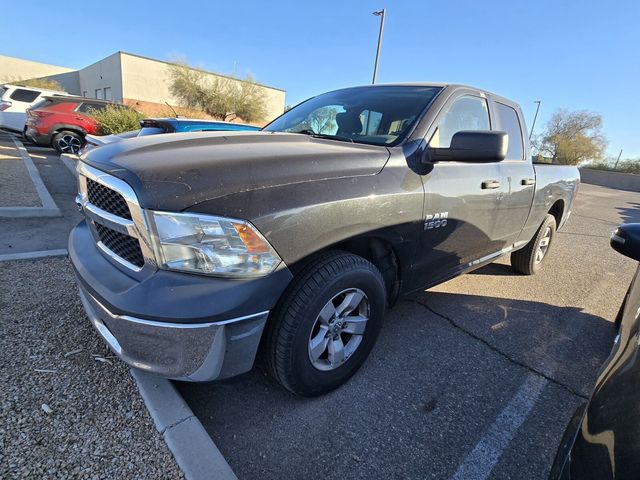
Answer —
(480, 462)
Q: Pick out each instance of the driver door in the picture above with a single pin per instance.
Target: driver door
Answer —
(461, 199)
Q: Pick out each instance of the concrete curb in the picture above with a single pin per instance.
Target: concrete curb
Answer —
(49, 207)
(31, 255)
(70, 162)
(196, 454)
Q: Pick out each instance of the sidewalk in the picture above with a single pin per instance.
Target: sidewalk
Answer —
(22, 191)
(22, 228)
(16, 187)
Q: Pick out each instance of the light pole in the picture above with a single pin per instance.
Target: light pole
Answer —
(533, 125)
(380, 14)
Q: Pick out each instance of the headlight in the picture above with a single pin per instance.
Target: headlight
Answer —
(211, 245)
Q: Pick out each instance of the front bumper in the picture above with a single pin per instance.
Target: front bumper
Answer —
(191, 352)
(180, 326)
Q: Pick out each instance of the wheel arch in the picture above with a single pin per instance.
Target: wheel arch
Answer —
(61, 127)
(557, 210)
(378, 251)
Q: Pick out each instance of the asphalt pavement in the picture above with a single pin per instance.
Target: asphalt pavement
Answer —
(476, 378)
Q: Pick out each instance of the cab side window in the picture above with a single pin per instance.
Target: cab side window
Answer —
(509, 122)
(466, 113)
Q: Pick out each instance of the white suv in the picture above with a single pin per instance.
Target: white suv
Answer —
(14, 101)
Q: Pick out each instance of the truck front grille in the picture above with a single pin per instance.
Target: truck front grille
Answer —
(107, 199)
(126, 247)
(115, 218)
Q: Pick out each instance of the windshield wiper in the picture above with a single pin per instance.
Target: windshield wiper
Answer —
(313, 134)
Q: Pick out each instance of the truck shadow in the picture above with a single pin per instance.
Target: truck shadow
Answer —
(442, 362)
(499, 269)
(630, 213)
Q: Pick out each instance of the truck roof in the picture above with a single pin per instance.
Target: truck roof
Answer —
(451, 86)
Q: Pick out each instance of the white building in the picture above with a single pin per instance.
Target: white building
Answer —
(135, 80)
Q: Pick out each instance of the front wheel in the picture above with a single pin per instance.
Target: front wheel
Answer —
(528, 260)
(326, 324)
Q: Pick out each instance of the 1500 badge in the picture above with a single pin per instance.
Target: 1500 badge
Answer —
(436, 220)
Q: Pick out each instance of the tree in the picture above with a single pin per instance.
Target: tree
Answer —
(224, 98)
(572, 137)
(45, 83)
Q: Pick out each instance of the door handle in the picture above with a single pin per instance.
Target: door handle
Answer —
(489, 184)
(528, 181)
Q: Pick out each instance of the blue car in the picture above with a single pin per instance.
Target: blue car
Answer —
(154, 126)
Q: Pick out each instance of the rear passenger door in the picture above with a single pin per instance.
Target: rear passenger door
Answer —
(517, 176)
(84, 116)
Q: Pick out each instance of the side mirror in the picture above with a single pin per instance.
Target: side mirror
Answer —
(626, 240)
(471, 146)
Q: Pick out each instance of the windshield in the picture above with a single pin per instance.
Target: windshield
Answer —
(374, 115)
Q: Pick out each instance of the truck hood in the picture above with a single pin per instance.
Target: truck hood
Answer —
(177, 171)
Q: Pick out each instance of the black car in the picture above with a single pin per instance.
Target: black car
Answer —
(603, 439)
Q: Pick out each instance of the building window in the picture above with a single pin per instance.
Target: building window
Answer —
(107, 93)
(84, 93)
(99, 94)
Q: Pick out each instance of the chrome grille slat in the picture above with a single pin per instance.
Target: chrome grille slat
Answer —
(124, 246)
(107, 199)
(116, 220)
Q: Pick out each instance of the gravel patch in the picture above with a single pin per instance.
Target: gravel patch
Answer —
(68, 408)
(16, 187)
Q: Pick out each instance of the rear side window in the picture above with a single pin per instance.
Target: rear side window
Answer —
(87, 107)
(23, 95)
(509, 122)
(465, 113)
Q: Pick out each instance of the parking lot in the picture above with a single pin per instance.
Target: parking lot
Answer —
(475, 378)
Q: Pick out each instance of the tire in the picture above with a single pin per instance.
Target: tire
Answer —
(304, 318)
(529, 259)
(67, 141)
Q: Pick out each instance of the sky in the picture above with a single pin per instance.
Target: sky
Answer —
(579, 55)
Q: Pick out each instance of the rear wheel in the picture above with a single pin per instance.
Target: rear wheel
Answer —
(67, 142)
(326, 324)
(528, 260)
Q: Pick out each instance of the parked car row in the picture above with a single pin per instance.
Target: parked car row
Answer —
(15, 100)
(64, 122)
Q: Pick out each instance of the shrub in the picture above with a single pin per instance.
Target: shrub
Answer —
(116, 119)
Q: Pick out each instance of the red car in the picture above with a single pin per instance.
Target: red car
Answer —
(62, 122)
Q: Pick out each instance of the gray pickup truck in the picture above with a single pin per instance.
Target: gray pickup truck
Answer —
(200, 250)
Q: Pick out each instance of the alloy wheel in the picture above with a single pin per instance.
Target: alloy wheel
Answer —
(69, 144)
(543, 245)
(338, 329)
